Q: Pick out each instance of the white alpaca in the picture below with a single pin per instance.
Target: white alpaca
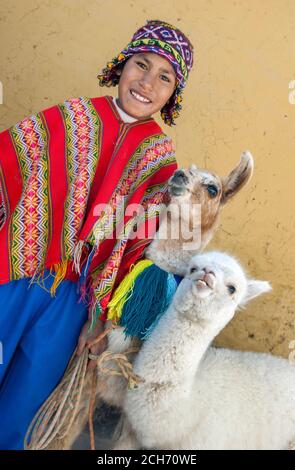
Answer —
(192, 187)
(195, 396)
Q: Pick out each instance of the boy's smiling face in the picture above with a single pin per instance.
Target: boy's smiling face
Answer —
(147, 81)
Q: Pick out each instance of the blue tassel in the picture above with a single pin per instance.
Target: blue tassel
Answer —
(152, 294)
(178, 279)
(171, 289)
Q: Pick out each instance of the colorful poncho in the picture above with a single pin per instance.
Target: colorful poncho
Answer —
(56, 168)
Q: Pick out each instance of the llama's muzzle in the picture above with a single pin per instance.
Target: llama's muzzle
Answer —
(178, 183)
(179, 178)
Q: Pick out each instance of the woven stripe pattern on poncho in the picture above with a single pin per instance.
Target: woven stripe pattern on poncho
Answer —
(63, 173)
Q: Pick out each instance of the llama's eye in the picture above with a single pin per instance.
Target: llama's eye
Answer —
(212, 190)
(231, 289)
(194, 269)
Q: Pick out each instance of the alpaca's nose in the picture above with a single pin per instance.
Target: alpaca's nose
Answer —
(208, 276)
(209, 270)
(179, 177)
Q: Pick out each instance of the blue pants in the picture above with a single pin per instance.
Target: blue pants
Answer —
(38, 335)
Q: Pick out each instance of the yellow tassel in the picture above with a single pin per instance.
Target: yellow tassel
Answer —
(124, 290)
(60, 272)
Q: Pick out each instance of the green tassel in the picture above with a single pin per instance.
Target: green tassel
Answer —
(152, 294)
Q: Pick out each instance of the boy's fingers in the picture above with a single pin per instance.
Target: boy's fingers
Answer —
(91, 365)
(97, 349)
(84, 340)
(95, 333)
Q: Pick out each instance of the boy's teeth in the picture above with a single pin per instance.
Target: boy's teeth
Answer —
(140, 98)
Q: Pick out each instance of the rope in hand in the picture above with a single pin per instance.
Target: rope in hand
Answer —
(125, 370)
(56, 416)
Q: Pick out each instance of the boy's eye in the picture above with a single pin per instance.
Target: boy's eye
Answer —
(141, 64)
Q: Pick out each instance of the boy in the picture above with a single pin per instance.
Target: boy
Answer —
(56, 169)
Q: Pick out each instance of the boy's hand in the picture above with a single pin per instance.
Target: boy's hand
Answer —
(85, 340)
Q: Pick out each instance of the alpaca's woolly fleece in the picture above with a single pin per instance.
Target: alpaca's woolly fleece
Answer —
(195, 396)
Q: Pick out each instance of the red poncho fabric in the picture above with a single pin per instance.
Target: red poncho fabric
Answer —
(58, 169)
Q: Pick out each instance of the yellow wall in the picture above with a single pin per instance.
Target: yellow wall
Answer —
(236, 99)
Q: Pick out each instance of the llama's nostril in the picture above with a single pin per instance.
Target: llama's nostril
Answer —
(179, 177)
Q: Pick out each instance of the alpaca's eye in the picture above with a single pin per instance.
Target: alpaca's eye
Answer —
(212, 190)
(194, 269)
(231, 289)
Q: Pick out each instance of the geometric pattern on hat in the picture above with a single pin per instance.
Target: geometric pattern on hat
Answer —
(163, 39)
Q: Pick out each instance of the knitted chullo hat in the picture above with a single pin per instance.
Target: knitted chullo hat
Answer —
(169, 42)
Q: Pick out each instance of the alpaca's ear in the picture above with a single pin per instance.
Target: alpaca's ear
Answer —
(254, 289)
(238, 177)
(193, 167)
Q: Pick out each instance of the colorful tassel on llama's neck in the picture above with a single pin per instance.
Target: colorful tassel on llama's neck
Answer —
(125, 290)
(142, 298)
(172, 284)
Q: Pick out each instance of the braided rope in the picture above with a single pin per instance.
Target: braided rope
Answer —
(123, 363)
(91, 409)
(125, 371)
(55, 417)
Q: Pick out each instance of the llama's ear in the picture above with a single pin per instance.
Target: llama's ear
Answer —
(238, 177)
(254, 289)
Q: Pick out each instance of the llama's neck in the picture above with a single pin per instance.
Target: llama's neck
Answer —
(175, 349)
(169, 255)
(173, 246)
